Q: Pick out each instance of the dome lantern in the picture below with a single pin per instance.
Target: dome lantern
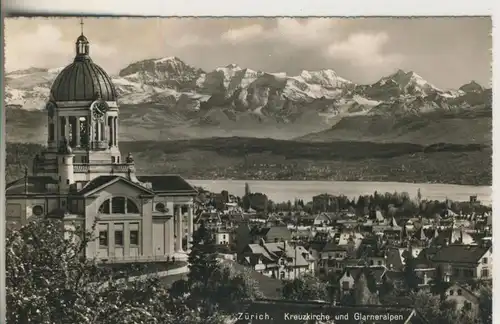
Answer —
(82, 44)
(83, 80)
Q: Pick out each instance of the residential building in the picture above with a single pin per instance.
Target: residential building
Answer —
(352, 273)
(464, 262)
(246, 234)
(324, 203)
(277, 260)
(222, 236)
(463, 297)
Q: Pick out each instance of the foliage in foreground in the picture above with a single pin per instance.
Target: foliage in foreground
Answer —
(50, 282)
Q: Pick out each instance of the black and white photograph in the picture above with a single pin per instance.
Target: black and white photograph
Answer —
(189, 170)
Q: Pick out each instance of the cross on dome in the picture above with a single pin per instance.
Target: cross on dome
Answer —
(82, 44)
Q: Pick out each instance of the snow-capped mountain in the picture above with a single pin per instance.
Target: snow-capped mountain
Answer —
(472, 86)
(168, 72)
(400, 84)
(234, 98)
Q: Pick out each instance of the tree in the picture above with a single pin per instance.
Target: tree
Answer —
(305, 288)
(410, 275)
(485, 305)
(49, 280)
(202, 265)
(438, 311)
(363, 295)
(438, 285)
(210, 286)
(225, 196)
(232, 288)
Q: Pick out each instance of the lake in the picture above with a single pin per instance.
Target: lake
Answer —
(280, 191)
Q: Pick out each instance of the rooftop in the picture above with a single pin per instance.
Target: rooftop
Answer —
(460, 254)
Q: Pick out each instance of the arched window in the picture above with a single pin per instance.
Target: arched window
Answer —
(132, 207)
(119, 205)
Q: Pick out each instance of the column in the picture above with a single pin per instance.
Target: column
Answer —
(77, 132)
(60, 124)
(109, 132)
(113, 130)
(178, 229)
(66, 128)
(104, 131)
(190, 226)
(91, 130)
(116, 130)
(99, 131)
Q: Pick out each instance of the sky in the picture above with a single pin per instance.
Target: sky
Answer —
(446, 51)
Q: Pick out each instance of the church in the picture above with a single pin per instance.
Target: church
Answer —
(82, 177)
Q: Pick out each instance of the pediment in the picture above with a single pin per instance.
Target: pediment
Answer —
(114, 185)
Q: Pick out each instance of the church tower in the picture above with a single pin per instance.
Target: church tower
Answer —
(82, 119)
(66, 171)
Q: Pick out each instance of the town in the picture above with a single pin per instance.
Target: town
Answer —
(94, 237)
(436, 248)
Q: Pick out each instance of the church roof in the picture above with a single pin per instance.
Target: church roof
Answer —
(30, 185)
(168, 183)
(104, 181)
(83, 80)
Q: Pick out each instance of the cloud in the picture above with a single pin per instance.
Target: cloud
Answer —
(189, 40)
(305, 31)
(45, 47)
(295, 32)
(242, 34)
(363, 49)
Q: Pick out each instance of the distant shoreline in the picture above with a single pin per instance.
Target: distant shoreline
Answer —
(348, 180)
(289, 189)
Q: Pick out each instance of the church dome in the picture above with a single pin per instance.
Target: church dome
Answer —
(83, 80)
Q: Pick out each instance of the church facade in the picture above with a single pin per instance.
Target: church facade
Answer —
(82, 178)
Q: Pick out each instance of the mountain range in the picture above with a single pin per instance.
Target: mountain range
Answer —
(167, 99)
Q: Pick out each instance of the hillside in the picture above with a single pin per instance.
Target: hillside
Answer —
(168, 99)
(457, 128)
(269, 159)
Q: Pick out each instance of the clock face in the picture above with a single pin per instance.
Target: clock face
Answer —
(99, 109)
(97, 113)
(102, 106)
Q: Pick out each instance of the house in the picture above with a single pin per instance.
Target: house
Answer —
(388, 227)
(277, 260)
(393, 259)
(324, 203)
(330, 257)
(322, 219)
(352, 273)
(271, 234)
(427, 253)
(464, 262)
(222, 236)
(286, 311)
(463, 297)
(344, 237)
(425, 272)
(452, 235)
(211, 220)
